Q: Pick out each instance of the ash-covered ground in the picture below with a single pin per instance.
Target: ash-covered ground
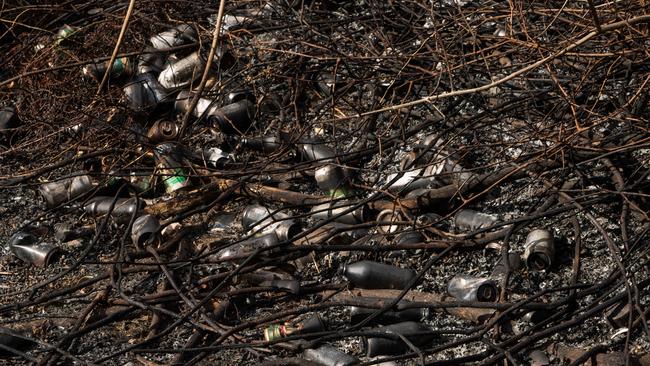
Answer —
(407, 114)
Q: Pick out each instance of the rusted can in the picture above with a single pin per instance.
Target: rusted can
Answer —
(162, 131)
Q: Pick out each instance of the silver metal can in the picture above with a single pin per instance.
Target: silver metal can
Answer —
(389, 216)
(26, 247)
(470, 288)
(179, 35)
(473, 220)
(144, 228)
(65, 190)
(332, 210)
(539, 250)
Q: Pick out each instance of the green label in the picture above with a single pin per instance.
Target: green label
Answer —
(118, 66)
(177, 181)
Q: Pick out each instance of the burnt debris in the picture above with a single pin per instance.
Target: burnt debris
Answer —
(324, 182)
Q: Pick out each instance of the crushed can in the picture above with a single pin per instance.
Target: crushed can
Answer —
(149, 61)
(144, 228)
(122, 66)
(183, 101)
(27, 248)
(258, 218)
(248, 246)
(316, 150)
(177, 36)
(469, 288)
(65, 190)
(144, 93)
(471, 220)
(123, 209)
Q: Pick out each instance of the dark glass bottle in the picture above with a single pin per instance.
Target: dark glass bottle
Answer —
(332, 210)
(373, 275)
(235, 118)
(358, 314)
(417, 333)
(312, 324)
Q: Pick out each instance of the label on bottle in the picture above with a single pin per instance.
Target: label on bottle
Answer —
(118, 66)
(176, 181)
